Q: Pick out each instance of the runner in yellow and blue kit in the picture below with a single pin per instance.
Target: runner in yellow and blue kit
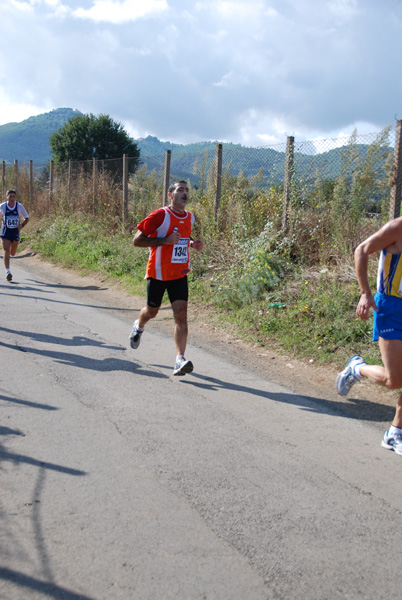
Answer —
(387, 324)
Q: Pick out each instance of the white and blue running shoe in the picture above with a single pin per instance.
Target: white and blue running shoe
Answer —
(392, 441)
(348, 376)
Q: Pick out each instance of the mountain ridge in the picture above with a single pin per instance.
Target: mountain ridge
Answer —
(29, 140)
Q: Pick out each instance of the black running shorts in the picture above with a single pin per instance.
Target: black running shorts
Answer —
(177, 289)
(11, 234)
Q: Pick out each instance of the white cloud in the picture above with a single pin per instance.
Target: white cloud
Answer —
(20, 111)
(259, 129)
(21, 6)
(239, 9)
(113, 11)
(344, 8)
(59, 10)
(231, 80)
(228, 70)
(271, 12)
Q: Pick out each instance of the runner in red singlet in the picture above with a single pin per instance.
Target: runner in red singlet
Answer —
(167, 234)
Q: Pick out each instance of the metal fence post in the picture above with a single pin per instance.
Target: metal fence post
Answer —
(125, 188)
(288, 180)
(218, 179)
(166, 177)
(396, 189)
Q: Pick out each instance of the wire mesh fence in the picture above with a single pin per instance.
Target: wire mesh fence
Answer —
(356, 165)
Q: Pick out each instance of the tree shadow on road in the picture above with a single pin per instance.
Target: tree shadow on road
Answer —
(103, 365)
(83, 288)
(86, 305)
(15, 458)
(16, 579)
(9, 431)
(77, 340)
(28, 403)
(48, 589)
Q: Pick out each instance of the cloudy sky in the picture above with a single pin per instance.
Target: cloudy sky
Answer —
(244, 71)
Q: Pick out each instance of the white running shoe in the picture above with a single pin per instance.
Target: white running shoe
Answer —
(393, 442)
(135, 336)
(348, 376)
(182, 366)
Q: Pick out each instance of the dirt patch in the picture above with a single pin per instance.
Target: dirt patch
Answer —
(367, 402)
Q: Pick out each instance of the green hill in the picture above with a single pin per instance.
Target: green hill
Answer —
(29, 139)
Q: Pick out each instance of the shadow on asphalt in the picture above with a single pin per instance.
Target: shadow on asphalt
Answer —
(25, 288)
(45, 338)
(89, 363)
(93, 288)
(49, 589)
(27, 403)
(5, 455)
(351, 408)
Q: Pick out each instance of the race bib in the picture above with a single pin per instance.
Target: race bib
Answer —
(180, 251)
(12, 221)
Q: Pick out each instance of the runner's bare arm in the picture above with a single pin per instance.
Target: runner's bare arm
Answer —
(142, 241)
(388, 237)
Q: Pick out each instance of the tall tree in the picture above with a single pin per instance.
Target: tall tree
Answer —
(85, 137)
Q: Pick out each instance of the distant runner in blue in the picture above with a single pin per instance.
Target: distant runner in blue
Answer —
(12, 213)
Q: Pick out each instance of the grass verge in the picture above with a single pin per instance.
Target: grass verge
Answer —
(309, 314)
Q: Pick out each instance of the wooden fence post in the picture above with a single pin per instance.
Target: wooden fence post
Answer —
(69, 174)
(396, 189)
(51, 183)
(166, 177)
(94, 182)
(16, 175)
(288, 180)
(218, 179)
(125, 189)
(31, 183)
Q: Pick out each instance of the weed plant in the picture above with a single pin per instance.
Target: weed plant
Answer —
(88, 245)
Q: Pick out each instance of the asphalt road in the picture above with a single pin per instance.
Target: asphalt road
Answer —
(122, 482)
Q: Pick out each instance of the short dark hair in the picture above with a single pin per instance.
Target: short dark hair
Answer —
(11, 192)
(175, 183)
